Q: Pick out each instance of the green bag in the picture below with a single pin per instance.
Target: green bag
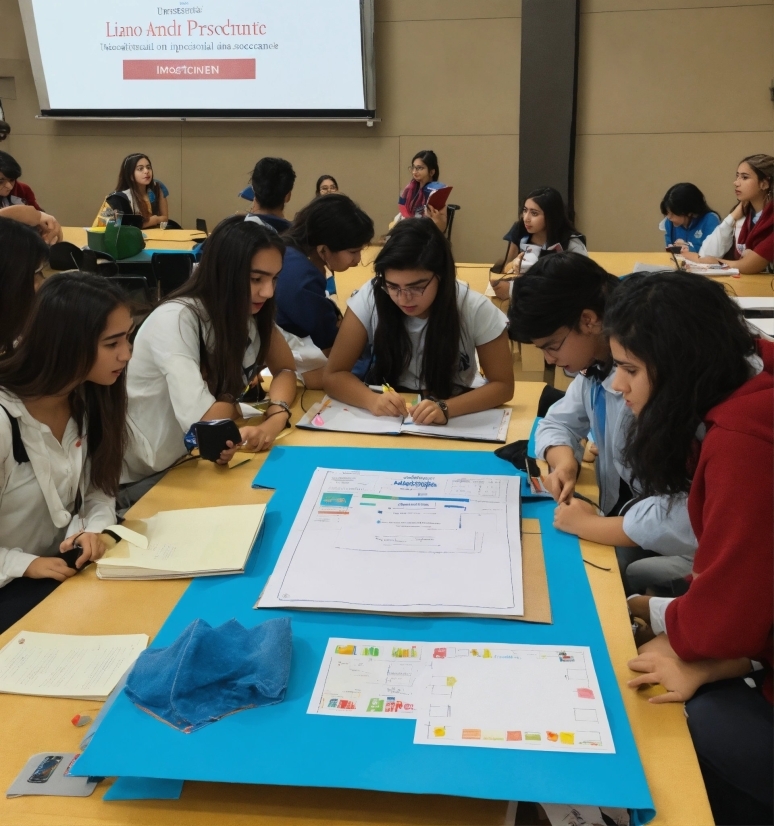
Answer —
(123, 242)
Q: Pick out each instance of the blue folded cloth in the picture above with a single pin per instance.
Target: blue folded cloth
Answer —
(247, 193)
(209, 672)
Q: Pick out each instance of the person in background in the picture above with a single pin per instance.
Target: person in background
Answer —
(688, 220)
(12, 191)
(328, 234)
(62, 436)
(428, 332)
(46, 225)
(139, 193)
(23, 254)
(705, 424)
(270, 190)
(5, 130)
(745, 238)
(424, 180)
(325, 185)
(544, 227)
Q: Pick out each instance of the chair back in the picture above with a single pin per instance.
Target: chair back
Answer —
(171, 269)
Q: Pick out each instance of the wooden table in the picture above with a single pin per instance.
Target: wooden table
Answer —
(155, 238)
(86, 605)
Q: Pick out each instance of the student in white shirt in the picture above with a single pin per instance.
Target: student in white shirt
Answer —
(62, 434)
(198, 352)
(427, 331)
(544, 227)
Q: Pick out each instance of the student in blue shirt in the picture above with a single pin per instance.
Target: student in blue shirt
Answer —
(688, 220)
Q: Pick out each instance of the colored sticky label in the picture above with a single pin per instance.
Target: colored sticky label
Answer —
(513, 735)
(567, 737)
(345, 649)
(586, 693)
(375, 704)
(493, 735)
(440, 731)
(532, 735)
(471, 734)
(552, 736)
(451, 680)
(335, 500)
(439, 653)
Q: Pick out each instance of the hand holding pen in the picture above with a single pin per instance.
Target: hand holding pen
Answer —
(388, 403)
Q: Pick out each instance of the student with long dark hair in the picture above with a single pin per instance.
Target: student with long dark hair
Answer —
(328, 234)
(745, 237)
(688, 219)
(560, 306)
(62, 435)
(137, 192)
(196, 353)
(705, 426)
(427, 330)
(12, 190)
(23, 254)
(424, 181)
(543, 227)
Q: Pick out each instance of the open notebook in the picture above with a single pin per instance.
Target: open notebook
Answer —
(329, 414)
(184, 543)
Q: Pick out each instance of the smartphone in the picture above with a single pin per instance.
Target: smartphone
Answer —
(674, 248)
(45, 769)
(211, 437)
(72, 556)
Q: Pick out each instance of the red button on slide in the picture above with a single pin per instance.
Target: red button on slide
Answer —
(232, 69)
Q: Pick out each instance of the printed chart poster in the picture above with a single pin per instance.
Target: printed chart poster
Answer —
(403, 542)
(224, 55)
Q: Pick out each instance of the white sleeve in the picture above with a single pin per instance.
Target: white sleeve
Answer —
(576, 245)
(98, 513)
(482, 318)
(658, 606)
(566, 423)
(720, 240)
(363, 306)
(13, 561)
(175, 350)
(661, 524)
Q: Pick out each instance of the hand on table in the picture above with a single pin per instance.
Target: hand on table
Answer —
(427, 412)
(659, 665)
(570, 516)
(49, 567)
(389, 403)
(255, 438)
(560, 482)
(93, 545)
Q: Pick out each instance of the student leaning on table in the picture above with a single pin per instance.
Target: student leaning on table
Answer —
(721, 386)
(427, 331)
(62, 435)
(745, 238)
(197, 353)
(45, 224)
(137, 192)
(559, 306)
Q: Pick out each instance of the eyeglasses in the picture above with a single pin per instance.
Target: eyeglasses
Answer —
(394, 291)
(413, 168)
(329, 188)
(555, 348)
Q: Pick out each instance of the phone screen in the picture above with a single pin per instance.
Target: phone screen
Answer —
(45, 769)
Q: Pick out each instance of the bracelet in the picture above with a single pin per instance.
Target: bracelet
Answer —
(284, 405)
(278, 413)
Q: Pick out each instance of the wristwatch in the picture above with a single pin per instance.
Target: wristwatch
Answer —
(444, 408)
(284, 405)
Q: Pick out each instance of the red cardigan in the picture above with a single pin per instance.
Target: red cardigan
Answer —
(758, 238)
(25, 194)
(728, 611)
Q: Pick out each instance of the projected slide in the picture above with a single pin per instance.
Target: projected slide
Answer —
(233, 55)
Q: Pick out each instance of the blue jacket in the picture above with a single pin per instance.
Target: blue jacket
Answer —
(694, 234)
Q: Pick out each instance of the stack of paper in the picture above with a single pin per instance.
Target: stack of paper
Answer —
(329, 414)
(62, 665)
(184, 543)
(712, 270)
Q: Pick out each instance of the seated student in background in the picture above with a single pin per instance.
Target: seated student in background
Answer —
(427, 330)
(544, 227)
(12, 190)
(559, 306)
(46, 225)
(197, 352)
(424, 181)
(139, 193)
(688, 220)
(271, 187)
(62, 435)
(745, 238)
(23, 254)
(706, 427)
(326, 184)
(327, 234)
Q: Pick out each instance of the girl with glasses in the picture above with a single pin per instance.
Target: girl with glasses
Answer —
(326, 185)
(427, 330)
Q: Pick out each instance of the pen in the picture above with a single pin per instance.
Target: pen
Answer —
(326, 403)
(386, 388)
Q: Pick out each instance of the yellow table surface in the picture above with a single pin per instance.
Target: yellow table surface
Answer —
(86, 605)
(177, 238)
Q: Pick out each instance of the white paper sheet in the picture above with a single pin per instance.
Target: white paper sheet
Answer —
(62, 665)
(500, 695)
(403, 542)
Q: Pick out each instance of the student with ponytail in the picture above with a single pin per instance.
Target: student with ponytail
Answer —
(427, 331)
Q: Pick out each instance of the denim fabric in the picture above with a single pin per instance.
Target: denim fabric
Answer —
(207, 673)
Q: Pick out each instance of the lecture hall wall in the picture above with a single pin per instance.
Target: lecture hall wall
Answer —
(669, 90)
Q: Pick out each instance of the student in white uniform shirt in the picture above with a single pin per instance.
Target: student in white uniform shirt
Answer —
(427, 331)
(62, 435)
(196, 354)
(559, 306)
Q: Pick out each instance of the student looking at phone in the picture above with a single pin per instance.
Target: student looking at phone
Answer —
(198, 352)
(688, 220)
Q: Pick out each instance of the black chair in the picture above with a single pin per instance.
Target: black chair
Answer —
(451, 210)
(172, 225)
(171, 269)
(201, 225)
(137, 289)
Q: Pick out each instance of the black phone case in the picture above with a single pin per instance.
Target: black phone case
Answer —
(212, 437)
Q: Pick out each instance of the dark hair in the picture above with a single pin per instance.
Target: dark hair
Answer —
(126, 181)
(22, 251)
(58, 348)
(418, 244)
(9, 167)
(335, 221)
(272, 179)
(763, 167)
(5, 129)
(553, 294)
(695, 343)
(324, 178)
(221, 283)
(685, 199)
(430, 159)
(559, 227)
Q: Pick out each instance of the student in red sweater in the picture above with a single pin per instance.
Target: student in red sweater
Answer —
(12, 191)
(701, 388)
